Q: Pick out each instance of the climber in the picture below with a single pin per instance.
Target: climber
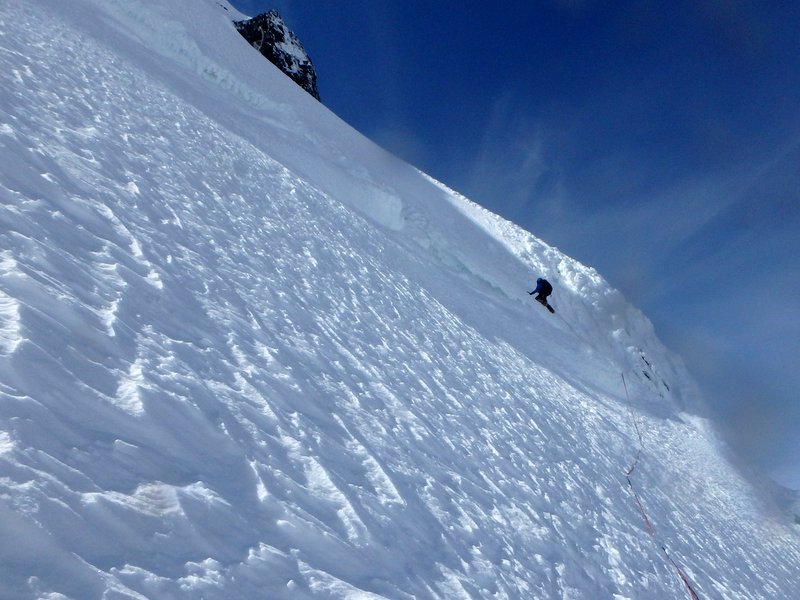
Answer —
(542, 291)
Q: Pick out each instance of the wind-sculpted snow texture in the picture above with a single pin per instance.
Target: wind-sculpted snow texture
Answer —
(244, 353)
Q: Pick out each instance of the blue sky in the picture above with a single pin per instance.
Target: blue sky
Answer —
(656, 141)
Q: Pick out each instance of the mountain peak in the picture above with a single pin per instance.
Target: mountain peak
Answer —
(269, 34)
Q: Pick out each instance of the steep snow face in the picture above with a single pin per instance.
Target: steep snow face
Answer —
(246, 353)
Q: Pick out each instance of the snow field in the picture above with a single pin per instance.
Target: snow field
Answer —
(244, 353)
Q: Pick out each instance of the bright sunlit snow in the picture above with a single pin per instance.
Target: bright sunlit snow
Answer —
(245, 353)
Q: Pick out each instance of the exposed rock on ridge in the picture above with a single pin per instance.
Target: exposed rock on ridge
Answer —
(272, 38)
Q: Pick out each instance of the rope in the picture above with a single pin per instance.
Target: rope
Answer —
(576, 333)
(650, 529)
(633, 418)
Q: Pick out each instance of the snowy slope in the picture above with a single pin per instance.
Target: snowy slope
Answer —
(245, 353)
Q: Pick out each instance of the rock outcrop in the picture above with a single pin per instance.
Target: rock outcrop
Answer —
(272, 38)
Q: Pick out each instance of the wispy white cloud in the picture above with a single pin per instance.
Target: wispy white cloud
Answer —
(509, 165)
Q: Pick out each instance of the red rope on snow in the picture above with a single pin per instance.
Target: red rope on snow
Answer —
(633, 418)
(650, 529)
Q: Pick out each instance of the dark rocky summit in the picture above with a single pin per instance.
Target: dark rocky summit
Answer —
(269, 35)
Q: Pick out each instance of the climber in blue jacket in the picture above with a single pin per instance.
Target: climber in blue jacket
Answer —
(542, 291)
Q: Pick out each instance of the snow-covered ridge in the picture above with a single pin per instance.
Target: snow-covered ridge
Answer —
(245, 353)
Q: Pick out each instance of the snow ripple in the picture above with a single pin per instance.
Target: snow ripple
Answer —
(10, 335)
